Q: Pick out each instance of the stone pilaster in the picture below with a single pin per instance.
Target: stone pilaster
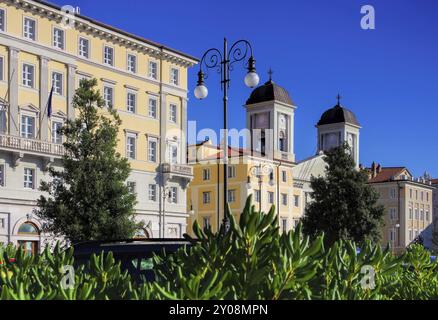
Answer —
(184, 125)
(13, 120)
(44, 98)
(71, 85)
(163, 127)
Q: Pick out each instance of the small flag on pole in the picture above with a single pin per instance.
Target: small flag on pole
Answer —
(49, 104)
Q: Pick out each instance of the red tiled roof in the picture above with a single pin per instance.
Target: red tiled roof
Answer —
(434, 181)
(386, 174)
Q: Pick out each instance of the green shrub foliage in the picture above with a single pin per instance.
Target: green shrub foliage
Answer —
(252, 261)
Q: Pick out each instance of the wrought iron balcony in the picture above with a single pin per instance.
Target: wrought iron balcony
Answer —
(19, 144)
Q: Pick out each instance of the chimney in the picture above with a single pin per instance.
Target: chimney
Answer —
(373, 170)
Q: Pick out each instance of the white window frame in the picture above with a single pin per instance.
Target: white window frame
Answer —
(152, 192)
(206, 174)
(271, 197)
(231, 174)
(284, 225)
(26, 183)
(174, 195)
(284, 176)
(296, 201)
(81, 53)
(285, 199)
(231, 197)
(173, 80)
(155, 113)
(128, 100)
(131, 147)
(150, 73)
(25, 134)
(55, 134)
(25, 32)
(105, 59)
(392, 193)
(59, 90)
(3, 12)
(55, 43)
(206, 197)
(25, 82)
(152, 140)
(108, 103)
(129, 68)
(206, 222)
(173, 113)
(171, 148)
(132, 187)
(393, 213)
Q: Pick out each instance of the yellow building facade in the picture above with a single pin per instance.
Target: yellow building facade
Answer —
(262, 169)
(43, 47)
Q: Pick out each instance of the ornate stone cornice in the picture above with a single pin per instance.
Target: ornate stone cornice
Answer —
(106, 32)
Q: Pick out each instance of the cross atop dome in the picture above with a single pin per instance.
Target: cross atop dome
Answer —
(338, 97)
(270, 73)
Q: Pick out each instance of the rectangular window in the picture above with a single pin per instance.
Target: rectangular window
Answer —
(427, 196)
(410, 193)
(132, 63)
(270, 197)
(392, 213)
(422, 195)
(2, 175)
(27, 127)
(174, 195)
(2, 20)
(131, 102)
(152, 192)
(152, 108)
(108, 56)
(206, 222)
(427, 216)
(57, 83)
(231, 172)
(153, 70)
(173, 153)
(257, 195)
(152, 150)
(174, 76)
(206, 174)
(392, 235)
(297, 201)
(284, 199)
(29, 29)
(206, 197)
(392, 194)
(284, 225)
(411, 213)
(422, 215)
(411, 234)
(29, 178)
(131, 187)
(231, 196)
(172, 113)
(284, 176)
(108, 96)
(417, 213)
(130, 147)
(28, 75)
(56, 134)
(84, 48)
(58, 38)
(2, 226)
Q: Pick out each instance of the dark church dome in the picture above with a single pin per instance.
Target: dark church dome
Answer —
(338, 114)
(270, 91)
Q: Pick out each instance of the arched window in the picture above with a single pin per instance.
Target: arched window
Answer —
(28, 229)
(282, 142)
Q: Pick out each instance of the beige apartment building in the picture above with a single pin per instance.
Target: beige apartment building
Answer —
(408, 205)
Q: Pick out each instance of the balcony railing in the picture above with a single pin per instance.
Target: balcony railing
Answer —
(30, 145)
(178, 169)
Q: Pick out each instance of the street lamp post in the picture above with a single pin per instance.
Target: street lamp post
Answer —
(223, 63)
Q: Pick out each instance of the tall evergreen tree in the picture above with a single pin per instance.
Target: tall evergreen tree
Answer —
(88, 199)
(344, 206)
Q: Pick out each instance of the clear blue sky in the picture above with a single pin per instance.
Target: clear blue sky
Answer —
(388, 76)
